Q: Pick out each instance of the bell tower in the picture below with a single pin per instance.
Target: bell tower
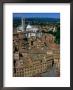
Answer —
(23, 24)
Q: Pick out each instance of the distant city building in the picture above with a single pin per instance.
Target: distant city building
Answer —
(31, 30)
(52, 28)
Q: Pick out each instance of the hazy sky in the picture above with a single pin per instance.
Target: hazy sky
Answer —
(42, 15)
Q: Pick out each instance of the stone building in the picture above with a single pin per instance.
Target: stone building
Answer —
(33, 56)
(32, 67)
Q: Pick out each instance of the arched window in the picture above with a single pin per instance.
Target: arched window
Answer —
(31, 42)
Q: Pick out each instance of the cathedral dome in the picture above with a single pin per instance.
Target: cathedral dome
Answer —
(28, 27)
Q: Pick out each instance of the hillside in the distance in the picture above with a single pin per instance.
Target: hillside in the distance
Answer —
(17, 20)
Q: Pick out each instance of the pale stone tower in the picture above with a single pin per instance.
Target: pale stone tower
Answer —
(23, 24)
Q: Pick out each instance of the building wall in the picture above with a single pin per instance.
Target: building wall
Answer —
(34, 69)
(30, 66)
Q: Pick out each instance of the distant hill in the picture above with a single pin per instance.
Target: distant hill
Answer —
(43, 19)
(17, 20)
